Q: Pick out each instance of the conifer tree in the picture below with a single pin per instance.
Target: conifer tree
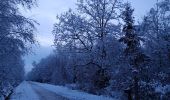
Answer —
(133, 50)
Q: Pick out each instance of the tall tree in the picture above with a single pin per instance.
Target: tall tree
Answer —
(155, 27)
(16, 33)
(133, 50)
(88, 30)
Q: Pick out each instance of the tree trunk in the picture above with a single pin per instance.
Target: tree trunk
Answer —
(136, 88)
(129, 93)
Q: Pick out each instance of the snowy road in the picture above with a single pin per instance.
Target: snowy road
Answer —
(45, 94)
(38, 91)
(32, 91)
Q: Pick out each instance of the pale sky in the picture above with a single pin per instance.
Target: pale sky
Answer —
(45, 15)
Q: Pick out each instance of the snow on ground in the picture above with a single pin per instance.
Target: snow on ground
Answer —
(162, 89)
(45, 94)
(39, 91)
(24, 92)
(71, 94)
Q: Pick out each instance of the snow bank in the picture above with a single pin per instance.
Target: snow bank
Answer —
(162, 89)
(72, 94)
(24, 92)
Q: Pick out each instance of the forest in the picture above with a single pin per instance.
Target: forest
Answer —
(99, 48)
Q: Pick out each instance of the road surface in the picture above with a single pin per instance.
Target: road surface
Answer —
(39, 91)
(32, 91)
(45, 94)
